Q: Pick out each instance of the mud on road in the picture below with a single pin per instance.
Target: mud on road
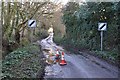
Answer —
(78, 66)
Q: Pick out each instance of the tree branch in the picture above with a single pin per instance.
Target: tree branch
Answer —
(20, 25)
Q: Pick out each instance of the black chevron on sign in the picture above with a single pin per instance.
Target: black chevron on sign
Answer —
(102, 26)
(31, 23)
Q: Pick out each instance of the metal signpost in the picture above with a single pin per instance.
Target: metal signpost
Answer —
(102, 27)
(31, 25)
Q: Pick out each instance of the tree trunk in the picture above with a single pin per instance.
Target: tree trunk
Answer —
(17, 36)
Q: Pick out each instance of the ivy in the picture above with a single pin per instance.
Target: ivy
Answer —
(22, 63)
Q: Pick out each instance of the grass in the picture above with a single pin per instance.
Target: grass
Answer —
(23, 63)
(112, 55)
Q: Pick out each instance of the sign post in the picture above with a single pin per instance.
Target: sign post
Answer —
(101, 40)
(102, 27)
(31, 25)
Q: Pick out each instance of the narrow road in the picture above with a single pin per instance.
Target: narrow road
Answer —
(78, 66)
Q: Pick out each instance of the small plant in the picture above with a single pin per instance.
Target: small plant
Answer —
(23, 63)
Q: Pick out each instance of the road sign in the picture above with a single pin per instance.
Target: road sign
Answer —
(32, 23)
(102, 26)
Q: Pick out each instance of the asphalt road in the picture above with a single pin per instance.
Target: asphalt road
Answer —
(78, 66)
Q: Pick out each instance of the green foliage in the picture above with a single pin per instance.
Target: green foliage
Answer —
(82, 23)
(22, 63)
(111, 55)
(24, 41)
(42, 34)
(8, 46)
(14, 21)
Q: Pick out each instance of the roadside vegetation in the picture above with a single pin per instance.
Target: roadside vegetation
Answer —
(75, 27)
(82, 33)
(24, 62)
(20, 58)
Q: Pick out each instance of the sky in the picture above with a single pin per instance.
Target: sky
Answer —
(65, 1)
(59, 1)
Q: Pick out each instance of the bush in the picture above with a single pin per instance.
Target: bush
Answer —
(42, 34)
(23, 63)
(24, 41)
(8, 46)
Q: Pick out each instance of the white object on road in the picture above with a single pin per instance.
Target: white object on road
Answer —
(49, 39)
(50, 30)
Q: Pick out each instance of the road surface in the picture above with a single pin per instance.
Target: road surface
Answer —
(78, 66)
